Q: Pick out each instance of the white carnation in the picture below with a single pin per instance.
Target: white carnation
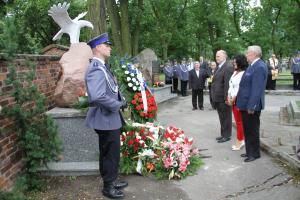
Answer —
(139, 88)
(123, 66)
(134, 88)
(137, 83)
(126, 72)
(132, 74)
(130, 84)
(128, 79)
(133, 80)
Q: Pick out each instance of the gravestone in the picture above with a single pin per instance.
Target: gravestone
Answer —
(145, 60)
(155, 71)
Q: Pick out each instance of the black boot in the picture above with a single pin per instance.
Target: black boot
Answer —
(111, 192)
(120, 184)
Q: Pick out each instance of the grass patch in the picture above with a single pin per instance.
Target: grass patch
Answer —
(285, 73)
(284, 82)
(162, 77)
(298, 104)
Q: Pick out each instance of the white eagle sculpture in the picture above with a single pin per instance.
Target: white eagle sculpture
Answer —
(60, 15)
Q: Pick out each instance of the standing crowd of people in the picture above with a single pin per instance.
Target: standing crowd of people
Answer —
(236, 88)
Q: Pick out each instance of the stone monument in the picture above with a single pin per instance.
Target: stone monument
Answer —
(145, 60)
(75, 61)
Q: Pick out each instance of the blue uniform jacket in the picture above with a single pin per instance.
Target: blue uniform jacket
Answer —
(251, 94)
(183, 72)
(105, 112)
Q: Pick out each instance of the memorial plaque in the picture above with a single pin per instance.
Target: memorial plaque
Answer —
(155, 66)
(155, 71)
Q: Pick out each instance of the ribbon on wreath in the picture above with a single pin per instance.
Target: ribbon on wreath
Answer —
(143, 91)
(132, 69)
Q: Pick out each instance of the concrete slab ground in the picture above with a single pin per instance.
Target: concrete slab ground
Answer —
(224, 175)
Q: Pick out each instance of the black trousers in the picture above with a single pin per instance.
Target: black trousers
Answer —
(271, 84)
(296, 81)
(109, 147)
(197, 94)
(251, 124)
(183, 87)
(210, 98)
(168, 81)
(225, 118)
(175, 84)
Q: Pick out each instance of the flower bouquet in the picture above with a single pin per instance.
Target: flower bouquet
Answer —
(166, 153)
(158, 84)
(140, 100)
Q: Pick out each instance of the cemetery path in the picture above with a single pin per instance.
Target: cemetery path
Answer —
(224, 176)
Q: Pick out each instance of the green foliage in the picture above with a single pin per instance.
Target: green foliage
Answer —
(298, 104)
(11, 196)
(37, 132)
(35, 29)
(82, 104)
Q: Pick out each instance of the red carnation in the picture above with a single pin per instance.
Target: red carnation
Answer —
(133, 102)
(130, 142)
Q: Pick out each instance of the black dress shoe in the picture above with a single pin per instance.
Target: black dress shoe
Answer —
(219, 138)
(201, 108)
(224, 139)
(194, 109)
(120, 184)
(112, 193)
(243, 155)
(249, 159)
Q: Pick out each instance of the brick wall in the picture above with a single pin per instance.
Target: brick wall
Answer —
(47, 72)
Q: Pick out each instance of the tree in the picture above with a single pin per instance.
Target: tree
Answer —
(97, 16)
(125, 29)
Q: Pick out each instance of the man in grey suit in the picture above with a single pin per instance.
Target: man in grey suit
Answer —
(104, 115)
(219, 89)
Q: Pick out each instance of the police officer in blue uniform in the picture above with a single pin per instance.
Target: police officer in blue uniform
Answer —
(104, 115)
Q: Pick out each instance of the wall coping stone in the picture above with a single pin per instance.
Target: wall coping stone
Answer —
(65, 113)
(37, 57)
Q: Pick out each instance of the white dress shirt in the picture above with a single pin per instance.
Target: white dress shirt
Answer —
(234, 83)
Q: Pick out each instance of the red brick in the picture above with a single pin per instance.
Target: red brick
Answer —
(48, 70)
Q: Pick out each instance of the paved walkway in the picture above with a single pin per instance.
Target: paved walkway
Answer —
(225, 175)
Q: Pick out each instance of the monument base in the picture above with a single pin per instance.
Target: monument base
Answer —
(80, 144)
(162, 94)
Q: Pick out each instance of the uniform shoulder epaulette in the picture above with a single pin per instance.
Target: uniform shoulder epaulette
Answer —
(95, 64)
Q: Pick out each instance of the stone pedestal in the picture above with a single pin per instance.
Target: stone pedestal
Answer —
(80, 144)
(162, 94)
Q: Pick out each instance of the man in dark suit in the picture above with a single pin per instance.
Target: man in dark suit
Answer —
(219, 89)
(197, 77)
(251, 100)
(104, 116)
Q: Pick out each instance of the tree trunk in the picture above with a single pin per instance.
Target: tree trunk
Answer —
(136, 32)
(164, 45)
(274, 26)
(97, 15)
(114, 17)
(125, 33)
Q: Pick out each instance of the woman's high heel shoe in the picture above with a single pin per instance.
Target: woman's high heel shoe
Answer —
(238, 146)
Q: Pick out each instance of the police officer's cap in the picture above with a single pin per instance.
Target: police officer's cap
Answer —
(101, 39)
